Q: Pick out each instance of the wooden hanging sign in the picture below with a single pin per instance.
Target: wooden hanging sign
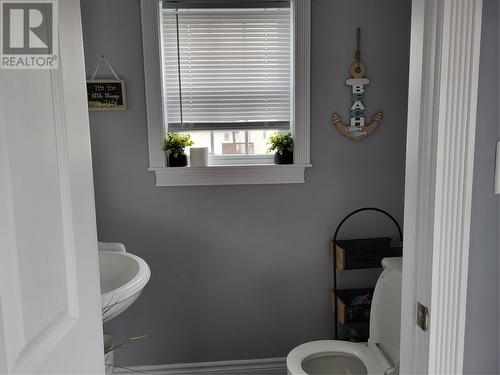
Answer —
(106, 94)
(357, 129)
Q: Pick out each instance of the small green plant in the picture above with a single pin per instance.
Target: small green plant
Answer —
(353, 334)
(113, 346)
(110, 347)
(176, 143)
(281, 143)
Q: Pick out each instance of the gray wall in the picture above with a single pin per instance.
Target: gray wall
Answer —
(482, 325)
(242, 272)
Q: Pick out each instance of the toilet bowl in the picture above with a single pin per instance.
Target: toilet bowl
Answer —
(380, 355)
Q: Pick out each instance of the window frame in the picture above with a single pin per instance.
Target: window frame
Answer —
(252, 170)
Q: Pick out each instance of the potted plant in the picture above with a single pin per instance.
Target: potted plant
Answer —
(175, 145)
(109, 343)
(282, 144)
(109, 349)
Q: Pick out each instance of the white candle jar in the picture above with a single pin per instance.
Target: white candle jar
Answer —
(198, 156)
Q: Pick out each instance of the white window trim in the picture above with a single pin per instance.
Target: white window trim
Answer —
(229, 174)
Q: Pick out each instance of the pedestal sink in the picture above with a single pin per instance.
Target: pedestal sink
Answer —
(123, 277)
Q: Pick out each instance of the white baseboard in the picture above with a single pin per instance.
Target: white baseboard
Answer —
(269, 366)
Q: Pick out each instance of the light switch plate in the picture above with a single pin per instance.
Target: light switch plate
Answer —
(497, 169)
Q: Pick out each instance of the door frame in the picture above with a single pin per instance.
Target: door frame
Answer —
(442, 101)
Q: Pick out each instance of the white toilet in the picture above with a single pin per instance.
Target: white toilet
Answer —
(380, 355)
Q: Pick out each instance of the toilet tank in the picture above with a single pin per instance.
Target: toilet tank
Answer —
(385, 314)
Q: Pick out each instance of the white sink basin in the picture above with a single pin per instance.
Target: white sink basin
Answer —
(123, 277)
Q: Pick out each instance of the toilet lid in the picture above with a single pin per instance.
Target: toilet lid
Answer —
(385, 315)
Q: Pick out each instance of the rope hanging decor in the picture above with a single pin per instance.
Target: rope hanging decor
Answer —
(106, 94)
(357, 129)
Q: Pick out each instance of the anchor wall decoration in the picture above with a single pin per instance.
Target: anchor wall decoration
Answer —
(357, 128)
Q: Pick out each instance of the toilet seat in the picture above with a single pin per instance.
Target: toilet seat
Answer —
(381, 352)
(367, 353)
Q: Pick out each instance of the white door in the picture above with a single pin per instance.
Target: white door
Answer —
(49, 280)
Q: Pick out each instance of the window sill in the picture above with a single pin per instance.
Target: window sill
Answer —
(256, 174)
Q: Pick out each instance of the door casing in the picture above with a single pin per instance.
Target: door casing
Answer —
(443, 91)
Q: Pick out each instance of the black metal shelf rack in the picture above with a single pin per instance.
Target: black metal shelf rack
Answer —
(358, 254)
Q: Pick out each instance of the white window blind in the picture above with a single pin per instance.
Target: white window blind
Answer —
(226, 68)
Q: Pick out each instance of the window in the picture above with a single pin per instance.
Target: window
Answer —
(226, 69)
(230, 73)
